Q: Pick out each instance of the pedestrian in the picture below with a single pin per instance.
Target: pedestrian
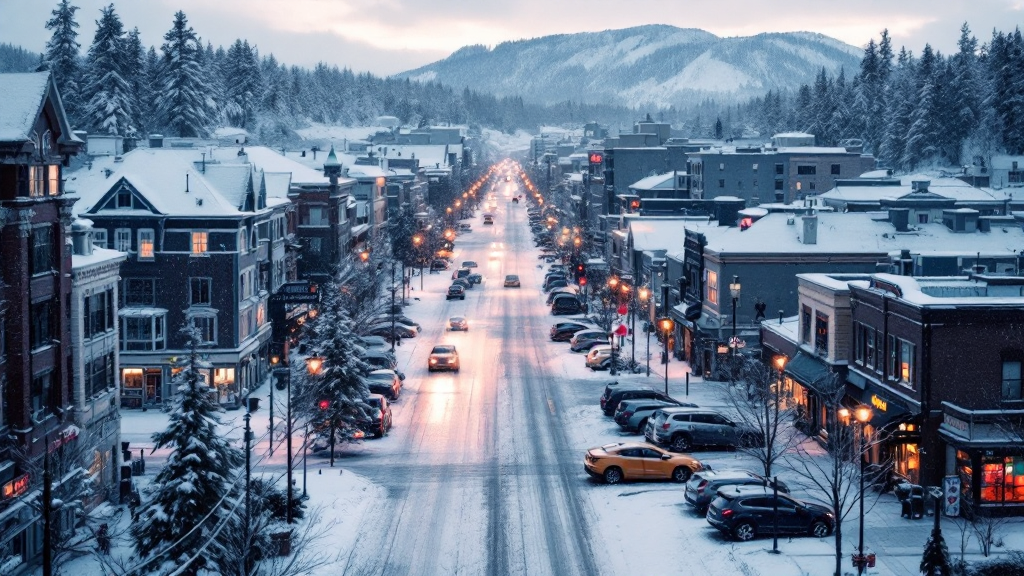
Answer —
(103, 539)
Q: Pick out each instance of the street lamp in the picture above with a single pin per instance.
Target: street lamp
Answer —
(417, 242)
(666, 325)
(734, 290)
(313, 365)
(861, 416)
(644, 294)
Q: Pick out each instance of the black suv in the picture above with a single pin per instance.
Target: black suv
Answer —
(703, 486)
(745, 512)
(610, 403)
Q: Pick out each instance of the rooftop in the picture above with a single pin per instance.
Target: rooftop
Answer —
(959, 291)
(866, 192)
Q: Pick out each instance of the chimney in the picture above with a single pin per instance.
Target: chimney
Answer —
(81, 237)
(156, 140)
(810, 235)
(900, 218)
(727, 210)
(919, 185)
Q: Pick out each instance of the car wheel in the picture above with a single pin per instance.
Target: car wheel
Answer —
(820, 529)
(642, 426)
(681, 474)
(463, 298)
(681, 443)
(744, 531)
(612, 475)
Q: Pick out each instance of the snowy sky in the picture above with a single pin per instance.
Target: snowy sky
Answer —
(388, 36)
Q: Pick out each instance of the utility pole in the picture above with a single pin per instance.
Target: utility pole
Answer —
(246, 556)
(288, 506)
(47, 512)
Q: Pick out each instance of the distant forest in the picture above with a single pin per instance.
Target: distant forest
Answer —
(909, 110)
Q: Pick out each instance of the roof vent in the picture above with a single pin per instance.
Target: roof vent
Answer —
(791, 220)
(118, 158)
(199, 201)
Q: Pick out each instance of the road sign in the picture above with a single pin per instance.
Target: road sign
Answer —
(951, 489)
(302, 292)
(622, 310)
(736, 342)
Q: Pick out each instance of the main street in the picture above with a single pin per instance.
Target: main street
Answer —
(481, 478)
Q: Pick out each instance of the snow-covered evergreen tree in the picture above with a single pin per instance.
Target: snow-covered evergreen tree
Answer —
(183, 100)
(900, 98)
(109, 106)
(138, 80)
(243, 84)
(922, 137)
(192, 495)
(935, 561)
(964, 103)
(62, 55)
(337, 393)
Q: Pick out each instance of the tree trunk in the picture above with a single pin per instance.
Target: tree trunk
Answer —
(839, 546)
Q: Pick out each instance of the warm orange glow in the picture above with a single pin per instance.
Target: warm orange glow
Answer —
(667, 325)
(314, 364)
(644, 293)
(780, 363)
(844, 413)
(275, 359)
(417, 240)
(364, 256)
(613, 281)
(381, 181)
(863, 414)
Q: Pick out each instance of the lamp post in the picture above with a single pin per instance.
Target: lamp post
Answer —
(394, 288)
(644, 294)
(861, 416)
(417, 242)
(285, 374)
(666, 324)
(734, 290)
(613, 283)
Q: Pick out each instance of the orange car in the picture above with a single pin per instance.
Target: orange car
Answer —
(638, 461)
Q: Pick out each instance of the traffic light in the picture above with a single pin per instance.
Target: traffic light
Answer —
(581, 274)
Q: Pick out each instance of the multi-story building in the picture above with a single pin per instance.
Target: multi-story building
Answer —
(95, 275)
(36, 400)
(201, 239)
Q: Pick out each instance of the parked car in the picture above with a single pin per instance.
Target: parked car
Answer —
(475, 278)
(389, 332)
(373, 341)
(632, 414)
(384, 382)
(565, 304)
(620, 461)
(703, 486)
(556, 283)
(443, 357)
(749, 511)
(388, 321)
(469, 264)
(613, 387)
(465, 227)
(457, 323)
(586, 343)
(597, 354)
(461, 273)
(682, 428)
(644, 392)
(571, 290)
(438, 265)
(381, 359)
(564, 331)
(456, 292)
(399, 318)
(466, 284)
(379, 421)
(512, 281)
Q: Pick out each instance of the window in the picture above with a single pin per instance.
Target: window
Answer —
(712, 287)
(142, 330)
(778, 184)
(200, 242)
(99, 238)
(805, 325)
(900, 367)
(123, 240)
(207, 326)
(53, 179)
(1012, 380)
(139, 292)
(922, 218)
(755, 166)
(739, 184)
(99, 375)
(200, 291)
(37, 181)
(778, 169)
(243, 241)
(870, 348)
(98, 315)
(806, 170)
(821, 333)
(42, 386)
(799, 186)
(42, 249)
(124, 198)
(41, 326)
(146, 239)
(835, 169)
(315, 245)
(812, 185)
(721, 183)
(317, 216)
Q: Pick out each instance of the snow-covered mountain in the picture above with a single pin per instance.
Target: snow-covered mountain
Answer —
(648, 65)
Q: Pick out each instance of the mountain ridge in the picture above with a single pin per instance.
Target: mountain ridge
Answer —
(654, 64)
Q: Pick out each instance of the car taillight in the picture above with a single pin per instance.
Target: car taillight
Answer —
(664, 426)
(702, 486)
(627, 414)
(726, 513)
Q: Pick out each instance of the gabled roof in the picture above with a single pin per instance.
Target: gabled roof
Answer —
(22, 98)
(657, 233)
(268, 160)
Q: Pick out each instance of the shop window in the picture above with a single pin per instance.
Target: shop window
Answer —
(42, 249)
(821, 333)
(712, 287)
(805, 325)
(1012, 380)
(146, 240)
(1002, 480)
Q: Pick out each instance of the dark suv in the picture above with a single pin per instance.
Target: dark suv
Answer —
(610, 403)
(748, 511)
(681, 429)
(703, 486)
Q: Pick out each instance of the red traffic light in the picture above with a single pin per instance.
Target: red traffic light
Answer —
(596, 158)
(583, 281)
(324, 404)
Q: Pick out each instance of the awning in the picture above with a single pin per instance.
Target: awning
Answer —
(809, 371)
(886, 409)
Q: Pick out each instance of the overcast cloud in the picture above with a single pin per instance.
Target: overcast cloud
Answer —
(389, 36)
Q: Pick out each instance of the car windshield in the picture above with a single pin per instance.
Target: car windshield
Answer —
(374, 402)
(457, 320)
(511, 277)
(383, 376)
(443, 350)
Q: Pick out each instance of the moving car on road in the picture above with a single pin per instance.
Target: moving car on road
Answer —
(745, 512)
(638, 461)
(456, 292)
(443, 357)
(512, 281)
(458, 323)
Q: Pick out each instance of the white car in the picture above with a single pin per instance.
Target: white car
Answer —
(497, 250)
(597, 355)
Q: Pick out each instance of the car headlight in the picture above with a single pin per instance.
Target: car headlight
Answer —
(433, 360)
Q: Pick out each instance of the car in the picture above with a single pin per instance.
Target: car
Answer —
(389, 332)
(388, 321)
(456, 291)
(475, 278)
(564, 331)
(380, 359)
(373, 341)
(587, 334)
(556, 283)
(621, 461)
(379, 422)
(681, 429)
(461, 273)
(512, 281)
(565, 304)
(456, 323)
(746, 512)
(631, 415)
(438, 265)
(570, 290)
(384, 382)
(469, 264)
(597, 354)
(703, 486)
(465, 227)
(462, 282)
(641, 392)
(399, 318)
(488, 220)
(443, 357)
(497, 250)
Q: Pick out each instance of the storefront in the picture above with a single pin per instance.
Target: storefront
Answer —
(895, 422)
(983, 453)
(807, 375)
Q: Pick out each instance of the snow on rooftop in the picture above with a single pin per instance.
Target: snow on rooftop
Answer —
(657, 234)
(20, 98)
(301, 173)
(947, 187)
(99, 255)
(656, 181)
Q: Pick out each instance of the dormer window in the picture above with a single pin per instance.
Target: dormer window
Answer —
(124, 199)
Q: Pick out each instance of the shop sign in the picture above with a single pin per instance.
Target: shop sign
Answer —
(951, 491)
(16, 487)
(66, 435)
(879, 403)
(955, 423)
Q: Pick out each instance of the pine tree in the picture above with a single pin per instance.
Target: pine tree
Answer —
(337, 391)
(191, 493)
(935, 561)
(963, 98)
(900, 99)
(922, 136)
(183, 99)
(107, 94)
(138, 80)
(243, 84)
(62, 55)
